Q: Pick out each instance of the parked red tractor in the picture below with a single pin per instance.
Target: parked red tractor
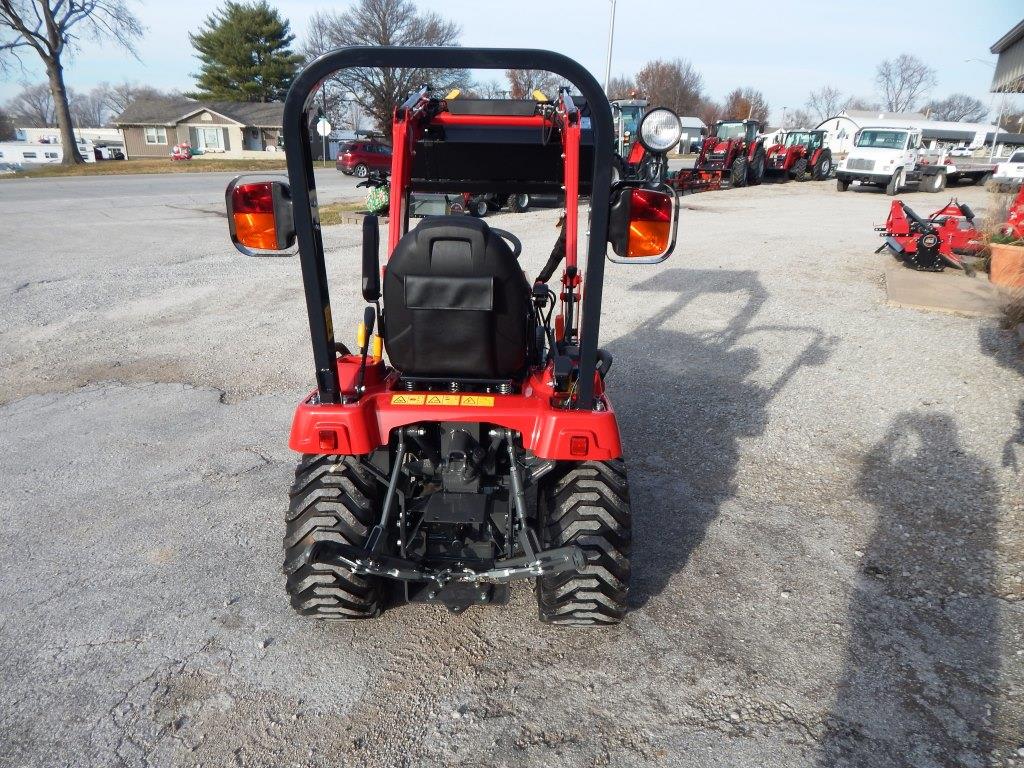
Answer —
(800, 155)
(733, 152)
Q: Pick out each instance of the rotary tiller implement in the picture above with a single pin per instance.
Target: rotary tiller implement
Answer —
(931, 244)
(420, 447)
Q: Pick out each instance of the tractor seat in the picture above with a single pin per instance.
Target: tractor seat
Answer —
(456, 303)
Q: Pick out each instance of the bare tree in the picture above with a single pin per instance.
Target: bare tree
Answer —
(6, 124)
(89, 109)
(800, 118)
(903, 81)
(744, 103)
(384, 22)
(957, 108)
(120, 95)
(622, 87)
(523, 82)
(489, 89)
(861, 103)
(53, 28)
(674, 84)
(709, 111)
(824, 102)
(33, 107)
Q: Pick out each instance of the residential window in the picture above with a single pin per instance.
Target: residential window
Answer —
(156, 135)
(211, 138)
(29, 155)
(51, 155)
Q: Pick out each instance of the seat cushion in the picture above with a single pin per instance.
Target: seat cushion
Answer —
(456, 304)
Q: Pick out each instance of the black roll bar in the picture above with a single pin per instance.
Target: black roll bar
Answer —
(298, 151)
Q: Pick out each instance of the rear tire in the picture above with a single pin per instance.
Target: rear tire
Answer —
(936, 182)
(738, 172)
(586, 504)
(361, 171)
(479, 208)
(519, 203)
(333, 499)
(822, 168)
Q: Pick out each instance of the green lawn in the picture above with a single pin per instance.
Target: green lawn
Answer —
(148, 165)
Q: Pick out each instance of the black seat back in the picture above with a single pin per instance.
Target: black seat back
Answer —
(456, 303)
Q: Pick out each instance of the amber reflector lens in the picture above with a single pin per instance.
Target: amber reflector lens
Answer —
(650, 223)
(256, 230)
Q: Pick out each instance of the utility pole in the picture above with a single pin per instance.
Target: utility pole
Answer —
(608, 58)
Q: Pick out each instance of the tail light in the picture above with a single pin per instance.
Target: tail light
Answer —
(260, 216)
(642, 224)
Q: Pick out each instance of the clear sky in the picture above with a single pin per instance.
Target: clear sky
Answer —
(784, 48)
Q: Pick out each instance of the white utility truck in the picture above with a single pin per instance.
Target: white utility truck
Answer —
(892, 158)
(1010, 173)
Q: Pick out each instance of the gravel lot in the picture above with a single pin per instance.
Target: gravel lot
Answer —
(827, 490)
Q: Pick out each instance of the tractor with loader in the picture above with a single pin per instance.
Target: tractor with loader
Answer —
(471, 385)
(734, 153)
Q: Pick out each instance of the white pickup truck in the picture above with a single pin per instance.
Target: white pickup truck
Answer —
(891, 157)
(1010, 174)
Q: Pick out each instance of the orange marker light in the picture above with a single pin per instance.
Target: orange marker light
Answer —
(253, 210)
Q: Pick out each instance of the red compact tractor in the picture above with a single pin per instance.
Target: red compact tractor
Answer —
(480, 385)
(801, 155)
(732, 153)
(931, 244)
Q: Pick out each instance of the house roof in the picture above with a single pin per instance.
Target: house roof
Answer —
(173, 111)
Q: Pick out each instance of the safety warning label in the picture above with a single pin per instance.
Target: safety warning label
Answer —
(472, 401)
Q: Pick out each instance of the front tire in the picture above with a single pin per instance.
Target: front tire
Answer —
(479, 208)
(756, 171)
(586, 504)
(895, 183)
(738, 172)
(799, 169)
(333, 500)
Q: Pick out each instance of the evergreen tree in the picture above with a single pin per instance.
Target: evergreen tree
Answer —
(245, 53)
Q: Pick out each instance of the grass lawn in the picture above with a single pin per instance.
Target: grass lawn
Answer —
(148, 165)
(334, 213)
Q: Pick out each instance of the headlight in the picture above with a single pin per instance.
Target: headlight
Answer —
(660, 130)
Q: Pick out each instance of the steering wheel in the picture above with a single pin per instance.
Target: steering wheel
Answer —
(517, 246)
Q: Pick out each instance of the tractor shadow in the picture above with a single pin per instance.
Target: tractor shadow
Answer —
(684, 402)
(922, 661)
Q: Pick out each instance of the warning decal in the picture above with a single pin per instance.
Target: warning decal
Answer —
(471, 401)
(480, 401)
(407, 399)
(442, 399)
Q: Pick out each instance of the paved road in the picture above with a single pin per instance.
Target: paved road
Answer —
(827, 490)
(114, 196)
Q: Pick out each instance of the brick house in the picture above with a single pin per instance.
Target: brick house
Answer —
(152, 128)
